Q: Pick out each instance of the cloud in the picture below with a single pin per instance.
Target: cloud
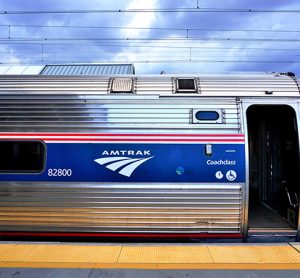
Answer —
(140, 20)
(208, 50)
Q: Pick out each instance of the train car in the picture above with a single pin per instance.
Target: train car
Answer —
(164, 156)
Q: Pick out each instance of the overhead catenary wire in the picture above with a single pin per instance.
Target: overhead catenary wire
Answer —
(184, 29)
(166, 55)
(174, 39)
(136, 45)
(190, 43)
(170, 61)
(165, 10)
(198, 52)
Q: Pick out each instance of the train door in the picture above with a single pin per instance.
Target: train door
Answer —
(273, 168)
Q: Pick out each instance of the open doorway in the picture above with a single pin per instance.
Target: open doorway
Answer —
(273, 178)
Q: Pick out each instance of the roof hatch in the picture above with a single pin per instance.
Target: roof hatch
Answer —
(186, 85)
(121, 85)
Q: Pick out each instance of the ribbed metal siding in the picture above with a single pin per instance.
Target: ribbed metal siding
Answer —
(88, 69)
(150, 85)
(109, 114)
(223, 85)
(54, 85)
(20, 69)
(128, 208)
(279, 85)
(82, 104)
(248, 85)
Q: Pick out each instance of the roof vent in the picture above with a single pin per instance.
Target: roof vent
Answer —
(122, 85)
(186, 85)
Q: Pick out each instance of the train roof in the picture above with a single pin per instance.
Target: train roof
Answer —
(229, 84)
(68, 69)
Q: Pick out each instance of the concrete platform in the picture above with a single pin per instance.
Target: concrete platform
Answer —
(151, 256)
(137, 273)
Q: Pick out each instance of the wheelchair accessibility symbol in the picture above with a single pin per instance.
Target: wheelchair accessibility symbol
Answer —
(231, 175)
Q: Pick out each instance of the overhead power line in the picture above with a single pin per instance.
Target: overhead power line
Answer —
(136, 45)
(163, 53)
(173, 39)
(169, 61)
(148, 28)
(166, 10)
(208, 53)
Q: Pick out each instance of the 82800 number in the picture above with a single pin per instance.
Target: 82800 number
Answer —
(59, 172)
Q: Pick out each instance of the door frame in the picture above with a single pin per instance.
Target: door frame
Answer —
(245, 103)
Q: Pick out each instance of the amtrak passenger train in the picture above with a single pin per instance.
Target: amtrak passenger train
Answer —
(198, 156)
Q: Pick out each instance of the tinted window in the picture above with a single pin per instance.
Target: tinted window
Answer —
(22, 156)
(207, 115)
(186, 84)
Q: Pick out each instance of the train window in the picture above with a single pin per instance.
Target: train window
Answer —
(22, 156)
(207, 116)
(186, 85)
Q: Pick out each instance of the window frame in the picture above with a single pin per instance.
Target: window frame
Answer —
(186, 91)
(220, 120)
(114, 80)
(27, 172)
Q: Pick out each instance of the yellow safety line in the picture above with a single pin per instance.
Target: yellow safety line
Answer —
(231, 266)
(150, 257)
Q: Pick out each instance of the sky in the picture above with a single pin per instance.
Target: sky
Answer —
(214, 41)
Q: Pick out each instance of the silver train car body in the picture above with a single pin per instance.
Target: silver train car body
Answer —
(149, 156)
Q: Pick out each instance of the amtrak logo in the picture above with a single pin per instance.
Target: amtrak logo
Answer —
(124, 165)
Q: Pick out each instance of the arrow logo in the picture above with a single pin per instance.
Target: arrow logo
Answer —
(116, 162)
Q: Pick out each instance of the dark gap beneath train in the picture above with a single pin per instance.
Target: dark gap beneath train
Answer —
(274, 164)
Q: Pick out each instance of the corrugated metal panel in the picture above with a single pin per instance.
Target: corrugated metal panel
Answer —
(22, 70)
(88, 69)
(164, 208)
(208, 85)
(222, 85)
(54, 84)
(82, 104)
(238, 84)
(109, 114)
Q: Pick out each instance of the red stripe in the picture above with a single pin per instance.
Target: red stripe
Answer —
(131, 235)
(124, 140)
(142, 140)
(113, 135)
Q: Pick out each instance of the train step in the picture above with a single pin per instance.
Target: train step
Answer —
(271, 235)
